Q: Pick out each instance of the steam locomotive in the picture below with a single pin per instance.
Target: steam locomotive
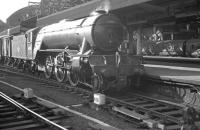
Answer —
(85, 50)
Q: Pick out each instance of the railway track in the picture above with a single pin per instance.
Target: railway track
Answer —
(143, 111)
(149, 111)
(18, 113)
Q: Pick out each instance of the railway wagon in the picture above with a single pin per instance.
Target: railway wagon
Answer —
(30, 42)
(18, 47)
(1, 48)
(5, 46)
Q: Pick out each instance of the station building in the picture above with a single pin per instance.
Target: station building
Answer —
(44, 8)
(22, 14)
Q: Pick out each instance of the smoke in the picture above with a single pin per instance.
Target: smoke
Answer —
(104, 7)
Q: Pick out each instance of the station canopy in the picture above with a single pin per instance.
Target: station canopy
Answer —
(134, 12)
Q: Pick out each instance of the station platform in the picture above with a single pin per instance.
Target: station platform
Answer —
(188, 75)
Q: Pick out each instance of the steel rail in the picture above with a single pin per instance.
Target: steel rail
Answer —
(32, 113)
(146, 110)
